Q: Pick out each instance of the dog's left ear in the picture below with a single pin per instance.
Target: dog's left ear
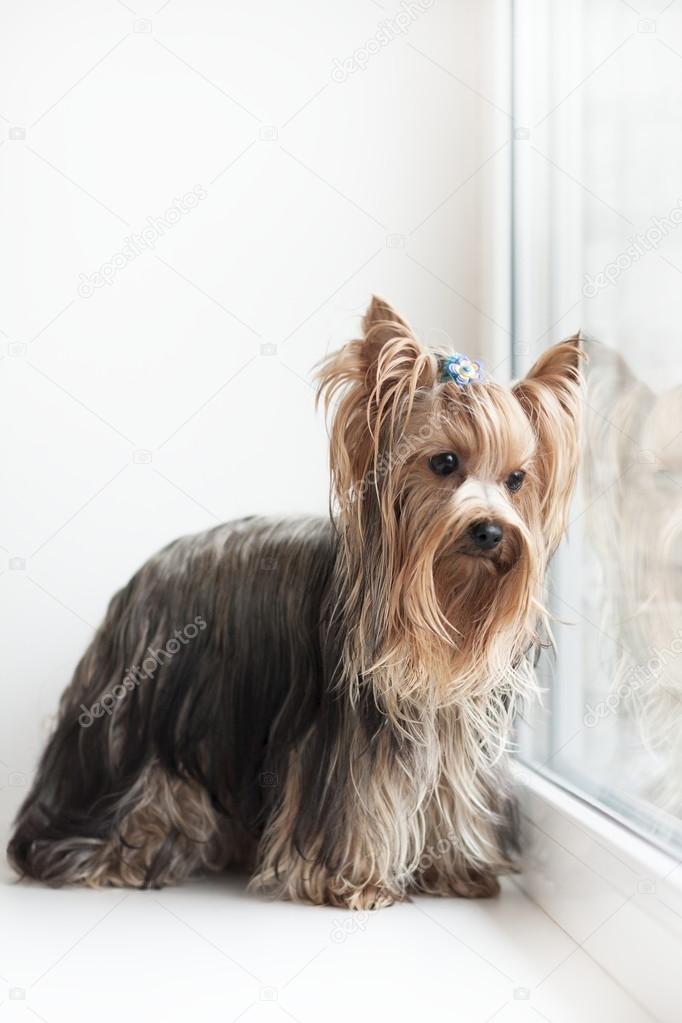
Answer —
(550, 395)
(368, 388)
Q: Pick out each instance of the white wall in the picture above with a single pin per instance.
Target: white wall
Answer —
(317, 192)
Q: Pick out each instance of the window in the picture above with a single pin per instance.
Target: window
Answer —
(597, 245)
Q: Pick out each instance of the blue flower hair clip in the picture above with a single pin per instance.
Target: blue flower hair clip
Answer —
(461, 369)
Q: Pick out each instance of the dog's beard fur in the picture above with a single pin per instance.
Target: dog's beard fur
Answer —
(375, 669)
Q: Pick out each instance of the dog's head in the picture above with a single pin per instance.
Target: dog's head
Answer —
(452, 494)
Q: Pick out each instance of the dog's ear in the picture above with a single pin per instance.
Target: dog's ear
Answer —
(368, 388)
(550, 395)
(381, 323)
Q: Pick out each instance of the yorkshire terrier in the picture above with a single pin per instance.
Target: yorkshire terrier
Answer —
(327, 702)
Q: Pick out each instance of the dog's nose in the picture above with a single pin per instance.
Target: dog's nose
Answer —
(486, 535)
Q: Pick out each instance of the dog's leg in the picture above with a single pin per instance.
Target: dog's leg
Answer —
(441, 873)
(159, 832)
(168, 831)
(362, 829)
(345, 843)
(465, 848)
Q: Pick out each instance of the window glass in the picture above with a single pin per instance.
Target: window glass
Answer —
(597, 197)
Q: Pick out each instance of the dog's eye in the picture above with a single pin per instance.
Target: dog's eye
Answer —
(514, 480)
(444, 464)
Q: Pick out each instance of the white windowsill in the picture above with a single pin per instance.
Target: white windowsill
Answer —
(615, 894)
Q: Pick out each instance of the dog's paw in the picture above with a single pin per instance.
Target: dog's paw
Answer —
(370, 897)
(482, 886)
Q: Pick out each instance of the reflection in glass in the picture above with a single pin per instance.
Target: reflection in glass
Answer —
(633, 495)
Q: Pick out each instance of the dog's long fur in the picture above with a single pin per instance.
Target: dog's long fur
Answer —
(338, 723)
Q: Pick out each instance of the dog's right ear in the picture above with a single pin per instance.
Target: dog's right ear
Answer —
(368, 388)
(551, 396)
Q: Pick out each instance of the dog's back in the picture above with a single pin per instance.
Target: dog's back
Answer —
(205, 671)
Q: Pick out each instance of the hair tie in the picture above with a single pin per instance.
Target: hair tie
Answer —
(461, 369)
